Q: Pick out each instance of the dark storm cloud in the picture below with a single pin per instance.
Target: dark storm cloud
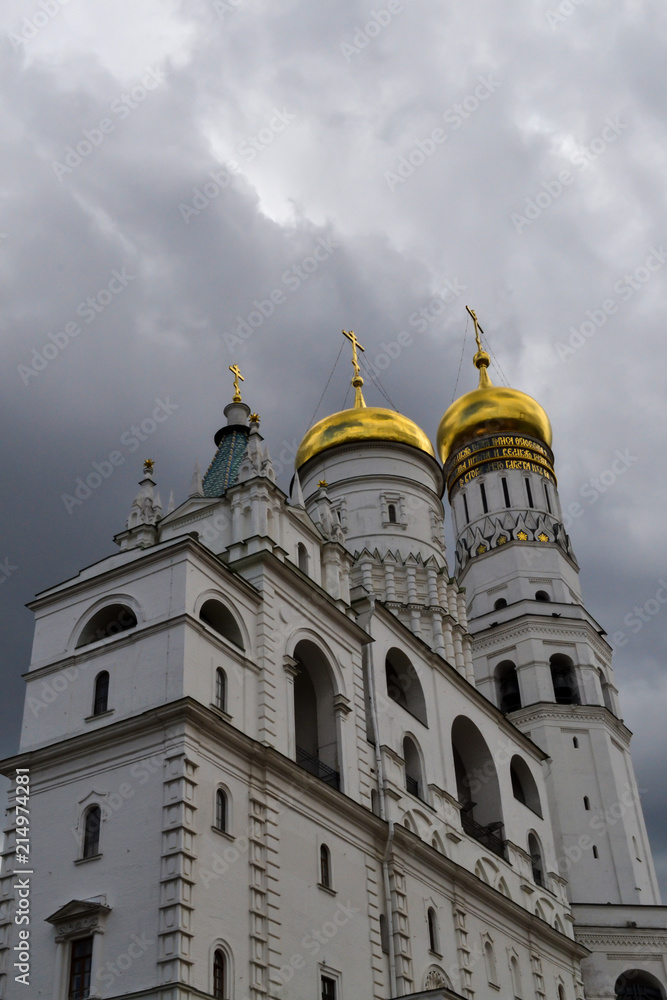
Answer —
(264, 134)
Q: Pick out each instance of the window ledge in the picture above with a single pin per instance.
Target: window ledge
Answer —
(326, 888)
(102, 715)
(435, 953)
(223, 833)
(84, 861)
(220, 711)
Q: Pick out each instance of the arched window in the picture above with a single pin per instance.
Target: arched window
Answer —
(561, 992)
(506, 492)
(606, 691)
(101, 696)
(575, 742)
(587, 802)
(214, 614)
(325, 867)
(516, 976)
(566, 690)
(413, 775)
(91, 832)
(219, 975)
(221, 689)
(535, 851)
(507, 687)
(302, 557)
(595, 852)
(314, 718)
(541, 595)
(108, 621)
(524, 787)
(384, 934)
(375, 802)
(465, 508)
(482, 491)
(529, 492)
(499, 604)
(391, 513)
(546, 497)
(433, 931)
(490, 960)
(477, 786)
(221, 810)
(635, 984)
(403, 684)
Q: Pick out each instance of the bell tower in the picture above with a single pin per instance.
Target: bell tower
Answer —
(538, 653)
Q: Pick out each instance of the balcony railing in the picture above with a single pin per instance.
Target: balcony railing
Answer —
(482, 834)
(317, 767)
(411, 785)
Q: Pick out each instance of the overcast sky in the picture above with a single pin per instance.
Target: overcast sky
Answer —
(189, 185)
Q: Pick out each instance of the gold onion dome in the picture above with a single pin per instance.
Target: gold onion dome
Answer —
(490, 410)
(361, 423)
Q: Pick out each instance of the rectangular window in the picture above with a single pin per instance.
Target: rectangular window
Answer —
(529, 493)
(484, 503)
(465, 507)
(81, 959)
(546, 497)
(506, 493)
(328, 988)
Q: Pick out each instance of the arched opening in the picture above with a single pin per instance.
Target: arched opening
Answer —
(91, 832)
(325, 867)
(524, 786)
(219, 975)
(433, 931)
(477, 786)
(414, 783)
(595, 852)
(575, 742)
(500, 604)
(375, 802)
(587, 803)
(302, 557)
(110, 620)
(391, 513)
(221, 817)
(561, 992)
(314, 718)
(564, 678)
(606, 691)
(635, 984)
(542, 595)
(507, 687)
(537, 864)
(218, 617)
(221, 689)
(101, 695)
(403, 684)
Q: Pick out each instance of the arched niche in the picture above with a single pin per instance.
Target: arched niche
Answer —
(217, 616)
(110, 620)
(507, 687)
(524, 786)
(403, 684)
(477, 785)
(314, 716)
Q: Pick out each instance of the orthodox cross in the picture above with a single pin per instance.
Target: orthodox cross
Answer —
(355, 344)
(478, 328)
(236, 372)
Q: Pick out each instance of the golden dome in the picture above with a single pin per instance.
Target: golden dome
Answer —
(361, 423)
(490, 409)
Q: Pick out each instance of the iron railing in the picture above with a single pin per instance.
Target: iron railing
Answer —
(483, 835)
(411, 785)
(317, 767)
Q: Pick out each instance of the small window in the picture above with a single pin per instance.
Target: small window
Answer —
(91, 832)
(485, 506)
(375, 802)
(546, 497)
(433, 931)
(219, 974)
(535, 851)
(221, 689)
(529, 493)
(542, 595)
(221, 810)
(587, 802)
(328, 988)
(575, 742)
(595, 852)
(101, 698)
(506, 492)
(81, 960)
(516, 977)
(325, 867)
(500, 603)
(384, 934)
(561, 993)
(465, 508)
(391, 513)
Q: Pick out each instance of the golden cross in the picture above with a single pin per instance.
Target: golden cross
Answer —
(478, 328)
(236, 372)
(355, 344)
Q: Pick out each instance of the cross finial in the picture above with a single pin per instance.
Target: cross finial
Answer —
(478, 328)
(236, 372)
(351, 336)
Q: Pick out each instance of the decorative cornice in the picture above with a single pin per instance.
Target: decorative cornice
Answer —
(547, 711)
(578, 630)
